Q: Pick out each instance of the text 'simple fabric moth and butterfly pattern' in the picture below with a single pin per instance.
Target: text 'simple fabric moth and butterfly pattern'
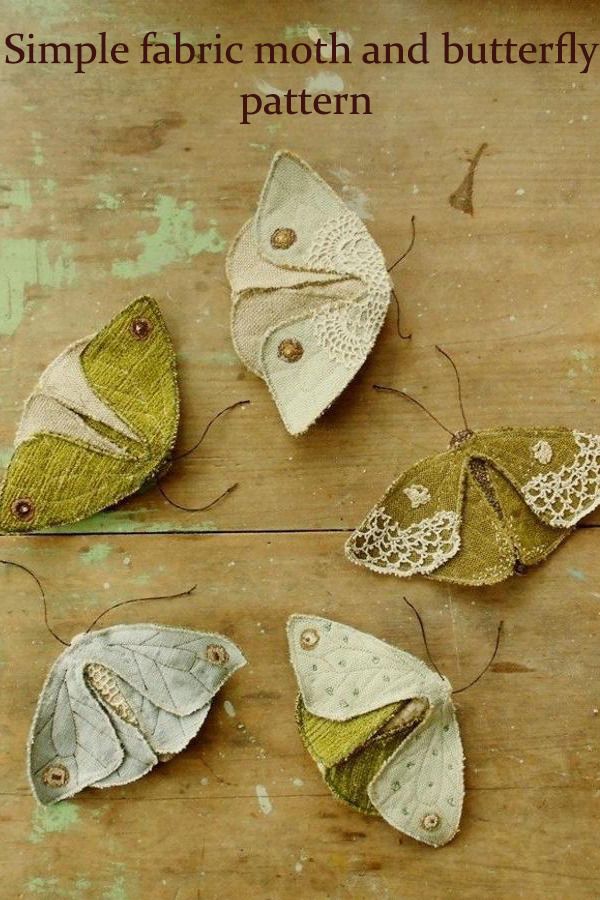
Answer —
(381, 726)
(99, 426)
(310, 292)
(119, 700)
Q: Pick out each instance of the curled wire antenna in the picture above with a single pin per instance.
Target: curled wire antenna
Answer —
(422, 627)
(391, 390)
(6, 562)
(140, 600)
(491, 660)
(458, 384)
(191, 450)
(410, 246)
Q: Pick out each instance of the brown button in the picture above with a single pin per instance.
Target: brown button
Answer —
(282, 238)
(309, 638)
(290, 350)
(430, 821)
(141, 329)
(23, 509)
(217, 654)
(55, 776)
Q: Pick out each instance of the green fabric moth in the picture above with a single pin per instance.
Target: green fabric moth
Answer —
(310, 292)
(494, 503)
(120, 700)
(99, 425)
(381, 726)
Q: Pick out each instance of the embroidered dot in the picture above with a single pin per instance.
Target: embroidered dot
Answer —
(430, 821)
(55, 776)
(217, 654)
(315, 667)
(396, 786)
(356, 692)
(446, 728)
(290, 350)
(23, 508)
(404, 811)
(417, 494)
(542, 451)
(141, 329)
(283, 238)
(451, 801)
(375, 659)
(309, 638)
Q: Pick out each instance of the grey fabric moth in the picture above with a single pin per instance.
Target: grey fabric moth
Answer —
(119, 700)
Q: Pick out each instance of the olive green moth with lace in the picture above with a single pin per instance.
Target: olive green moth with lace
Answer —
(310, 292)
(100, 424)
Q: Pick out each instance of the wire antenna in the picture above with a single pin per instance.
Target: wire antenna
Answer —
(458, 384)
(405, 337)
(140, 600)
(391, 390)
(422, 627)
(208, 506)
(484, 670)
(6, 562)
(208, 427)
(410, 246)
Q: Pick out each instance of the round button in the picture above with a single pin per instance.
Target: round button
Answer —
(55, 776)
(217, 654)
(141, 329)
(430, 821)
(23, 509)
(283, 238)
(290, 350)
(309, 638)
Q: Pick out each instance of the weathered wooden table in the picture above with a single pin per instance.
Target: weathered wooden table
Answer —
(133, 179)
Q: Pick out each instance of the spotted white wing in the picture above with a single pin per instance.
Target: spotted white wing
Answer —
(420, 788)
(118, 699)
(344, 673)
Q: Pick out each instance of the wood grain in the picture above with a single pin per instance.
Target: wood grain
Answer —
(133, 179)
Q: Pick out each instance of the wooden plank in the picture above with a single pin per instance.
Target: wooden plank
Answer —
(196, 827)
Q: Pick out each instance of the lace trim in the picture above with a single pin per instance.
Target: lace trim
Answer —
(562, 498)
(380, 544)
(348, 332)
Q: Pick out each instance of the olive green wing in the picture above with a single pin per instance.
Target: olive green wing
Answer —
(555, 471)
(98, 425)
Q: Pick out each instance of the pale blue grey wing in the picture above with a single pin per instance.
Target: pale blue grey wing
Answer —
(138, 756)
(178, 670)
(344, 673)
(420, 789)
(166, 732)
(72, 742)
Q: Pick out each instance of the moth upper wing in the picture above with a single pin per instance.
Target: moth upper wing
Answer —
(72, 743)
(420, 788)
(415, 528)
(343, 673)
(305, 270)
(556, 471)
(102, 419)
(177, 670)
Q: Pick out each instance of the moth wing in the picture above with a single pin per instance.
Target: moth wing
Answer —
(556, 471)
(171, 667)
(325, 288)
(343, 673)
(415, 528)
(138, 756)
(72, 743)
(420, 789)
(102, 419)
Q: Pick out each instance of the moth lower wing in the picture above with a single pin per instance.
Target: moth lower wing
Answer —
(166, 732)
(416, 527)
(420, 788)
(72, 743)
(556, 471)
(343, 673)
(138, 756)
(63, 481)
(131, 366)
(178, 670)
(487, 552)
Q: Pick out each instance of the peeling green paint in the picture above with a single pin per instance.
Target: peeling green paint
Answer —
(122, 522)
(53, 820)
(109, 201)
(117, 891)
(16, 192)
(25, 262)
(52, 887)
(5, 456)
(219, 357)
(98, 553)
(38, 156)
(175, 240)
(49, 186)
